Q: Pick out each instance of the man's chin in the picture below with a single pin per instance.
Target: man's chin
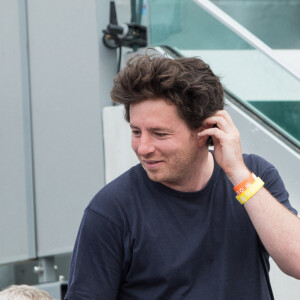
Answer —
(153, 176)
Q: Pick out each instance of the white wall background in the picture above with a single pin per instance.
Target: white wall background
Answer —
(55, 76)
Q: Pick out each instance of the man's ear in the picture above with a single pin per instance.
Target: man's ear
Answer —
(202, 141)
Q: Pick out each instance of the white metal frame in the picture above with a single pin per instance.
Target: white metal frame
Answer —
(245, 34)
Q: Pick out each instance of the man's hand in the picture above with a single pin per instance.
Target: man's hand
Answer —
(278, 228)
(227, 145)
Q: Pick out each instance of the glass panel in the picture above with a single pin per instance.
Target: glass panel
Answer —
(275, 22)
(245, 72)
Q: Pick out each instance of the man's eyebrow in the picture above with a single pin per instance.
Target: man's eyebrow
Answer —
(159, 129)
(151, 128)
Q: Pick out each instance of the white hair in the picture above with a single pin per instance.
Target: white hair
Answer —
(24, 292)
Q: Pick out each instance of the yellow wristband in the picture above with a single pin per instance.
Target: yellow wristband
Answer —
(250, 191)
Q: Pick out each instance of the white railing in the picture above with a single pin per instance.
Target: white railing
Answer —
(245, 34)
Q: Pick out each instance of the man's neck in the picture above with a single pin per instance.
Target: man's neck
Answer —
(203, 173)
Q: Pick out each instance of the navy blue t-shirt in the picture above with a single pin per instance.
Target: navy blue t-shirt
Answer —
(140, 240)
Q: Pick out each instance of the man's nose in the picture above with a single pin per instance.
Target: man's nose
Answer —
(145, 146)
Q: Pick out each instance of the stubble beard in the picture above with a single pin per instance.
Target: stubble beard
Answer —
(175, 174)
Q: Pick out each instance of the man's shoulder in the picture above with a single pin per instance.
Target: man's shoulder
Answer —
(118, 192)
(130, 177)
(257, 164)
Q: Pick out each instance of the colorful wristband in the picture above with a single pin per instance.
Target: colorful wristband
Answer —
(240, 188)
(251, 191)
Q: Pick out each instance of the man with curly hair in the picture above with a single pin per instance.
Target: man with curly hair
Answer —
(171, 227)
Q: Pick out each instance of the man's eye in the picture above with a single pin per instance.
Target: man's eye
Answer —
(160, 134)
(135, 132)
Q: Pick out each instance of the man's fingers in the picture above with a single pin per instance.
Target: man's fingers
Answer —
(219, 121)
(215, 132)
(222, 120)
(220, 135)
(226, 115)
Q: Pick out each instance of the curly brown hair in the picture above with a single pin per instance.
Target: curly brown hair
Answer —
(189, 83)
